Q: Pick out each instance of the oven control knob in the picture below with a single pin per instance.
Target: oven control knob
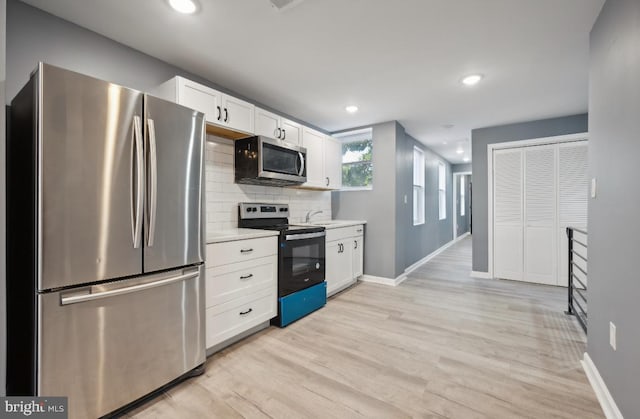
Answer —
(317, 266)
(248, 209)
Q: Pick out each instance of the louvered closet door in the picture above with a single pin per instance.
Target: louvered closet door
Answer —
(573, 196)
(540, 238)
(507, 214)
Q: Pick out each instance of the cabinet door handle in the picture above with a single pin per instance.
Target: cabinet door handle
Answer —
(327, 181)
(243, 277)
(359, 230)
(226, 115)
(242, 313)
(279, 133)
(219, 112)
(355, 244)
(284, 134)
(246, 250)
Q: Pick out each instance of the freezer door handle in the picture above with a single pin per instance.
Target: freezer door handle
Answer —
(153, 181)
(81, 298)
(136, 207)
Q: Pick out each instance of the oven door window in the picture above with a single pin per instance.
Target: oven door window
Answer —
(281, 160)
(302, 264)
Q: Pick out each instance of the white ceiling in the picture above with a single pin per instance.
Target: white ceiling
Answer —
(399, 60)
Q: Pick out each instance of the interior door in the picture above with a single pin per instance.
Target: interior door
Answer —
(508, 214)
(174, 210)
(87, 170)
(573, 195)
(540, 237)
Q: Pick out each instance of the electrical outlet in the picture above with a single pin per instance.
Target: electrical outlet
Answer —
(612, 335)
(594, 183)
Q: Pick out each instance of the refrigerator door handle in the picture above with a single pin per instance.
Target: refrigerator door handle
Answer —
(153, 181)
(136, 208)
(81, 298)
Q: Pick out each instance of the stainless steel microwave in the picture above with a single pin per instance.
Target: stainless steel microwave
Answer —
(261, 160)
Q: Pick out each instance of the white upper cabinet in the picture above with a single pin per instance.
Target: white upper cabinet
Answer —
(219, 108)
(324, 160)
(313, 141)
(272, 125)
(333, 163)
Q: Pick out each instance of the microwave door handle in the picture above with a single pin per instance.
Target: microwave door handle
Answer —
(153, 182)
(136, 208)
(301, 157)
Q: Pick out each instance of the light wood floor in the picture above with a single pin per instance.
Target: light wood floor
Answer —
(439, 345)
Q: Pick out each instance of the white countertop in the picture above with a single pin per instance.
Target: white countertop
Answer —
(234, 234)
(330, 224)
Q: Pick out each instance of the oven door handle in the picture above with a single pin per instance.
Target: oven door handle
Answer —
(290, 237)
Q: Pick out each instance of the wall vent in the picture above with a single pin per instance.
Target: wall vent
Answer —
(283, 5)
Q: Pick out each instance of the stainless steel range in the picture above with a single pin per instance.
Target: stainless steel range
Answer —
(301, 259)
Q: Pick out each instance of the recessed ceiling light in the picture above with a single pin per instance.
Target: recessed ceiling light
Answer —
(472, 79)
(351, 109)
(459, 150)
(444, 142)
(466, 159)
(184, 6)
(448, 126)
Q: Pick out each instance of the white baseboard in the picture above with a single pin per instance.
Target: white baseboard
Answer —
(481, 275)
(392, 282)
(607, 403)
(433, 254)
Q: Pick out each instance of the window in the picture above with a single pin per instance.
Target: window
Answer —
(418, 186)
(442, 191)
(462, 200)
(357, 149)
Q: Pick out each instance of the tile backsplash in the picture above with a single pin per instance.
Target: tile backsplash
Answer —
(223, 195)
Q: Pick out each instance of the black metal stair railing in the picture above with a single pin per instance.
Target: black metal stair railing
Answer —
(577, 289)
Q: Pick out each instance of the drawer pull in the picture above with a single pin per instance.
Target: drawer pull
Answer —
(242, 313)
(359, 230)
(246, 250)
(246, 276)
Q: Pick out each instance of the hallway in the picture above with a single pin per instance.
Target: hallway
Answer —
(441, 344)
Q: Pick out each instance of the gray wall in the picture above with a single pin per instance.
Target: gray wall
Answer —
(463, 221)
(480, 138)
(375, 206)
(34, 35)
(462, 167)
(3, 276)
(614, 147)
(392, 242)
(421, 240)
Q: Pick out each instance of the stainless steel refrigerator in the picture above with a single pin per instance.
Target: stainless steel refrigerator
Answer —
(105, 216)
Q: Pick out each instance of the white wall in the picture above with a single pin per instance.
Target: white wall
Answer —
(223, 195)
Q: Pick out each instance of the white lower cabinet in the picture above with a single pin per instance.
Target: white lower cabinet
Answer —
(344, 254)
(241, 287)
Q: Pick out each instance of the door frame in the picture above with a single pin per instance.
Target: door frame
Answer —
(490, 180)
(455, 205)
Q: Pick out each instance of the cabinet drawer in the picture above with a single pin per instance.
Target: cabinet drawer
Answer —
(227, 320)
(339, 233)
(219, 254)
(358, 230)
(227, 282)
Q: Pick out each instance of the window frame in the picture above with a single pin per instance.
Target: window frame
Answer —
(352, 136)
(419, 190)
(442, 191)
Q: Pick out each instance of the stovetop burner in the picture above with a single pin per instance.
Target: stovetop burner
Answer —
(271, 217)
